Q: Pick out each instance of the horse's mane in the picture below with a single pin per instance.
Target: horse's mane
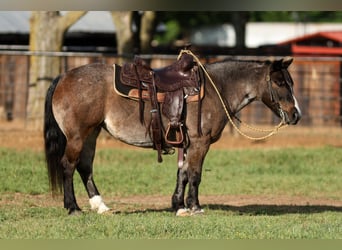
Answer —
(241, 61)
(232, 68)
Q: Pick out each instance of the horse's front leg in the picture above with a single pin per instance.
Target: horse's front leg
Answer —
(190, 174)
(178, 196)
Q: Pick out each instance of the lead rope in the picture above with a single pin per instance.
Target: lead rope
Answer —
(271, 131)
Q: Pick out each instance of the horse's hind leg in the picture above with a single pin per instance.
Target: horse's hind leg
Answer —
(85, 169)
(69, 162)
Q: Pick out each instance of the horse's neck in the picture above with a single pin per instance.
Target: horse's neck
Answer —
(238, 91)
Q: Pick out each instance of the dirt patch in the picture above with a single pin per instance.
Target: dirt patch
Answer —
(265, 204)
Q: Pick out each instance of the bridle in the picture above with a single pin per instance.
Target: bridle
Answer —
(274, 97)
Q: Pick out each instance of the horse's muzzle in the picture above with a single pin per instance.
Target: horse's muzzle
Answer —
(296, 115)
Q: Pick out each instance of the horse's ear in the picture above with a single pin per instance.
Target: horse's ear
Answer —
(286, 61)
(282, 63)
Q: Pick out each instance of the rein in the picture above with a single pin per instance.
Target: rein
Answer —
(270, 131)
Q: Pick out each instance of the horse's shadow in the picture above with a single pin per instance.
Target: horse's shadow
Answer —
(260, 209)
(253, 209)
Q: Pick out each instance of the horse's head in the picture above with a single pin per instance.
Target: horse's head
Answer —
(278, 95)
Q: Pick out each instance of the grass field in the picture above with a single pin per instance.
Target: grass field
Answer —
(308, 178)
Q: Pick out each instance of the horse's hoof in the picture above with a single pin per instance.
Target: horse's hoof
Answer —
(189, 212)
(75, 212)
(197, 212)
(103, 209)
(106, 212)
(182, 212)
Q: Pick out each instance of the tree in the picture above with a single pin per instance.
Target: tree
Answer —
(239, 20)
(134, 32)
(123, 22)
(47, 29)
(147, 30)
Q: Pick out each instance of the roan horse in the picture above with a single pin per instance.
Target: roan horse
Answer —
(82, 101)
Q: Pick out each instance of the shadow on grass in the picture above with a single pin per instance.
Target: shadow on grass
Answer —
(258, 209)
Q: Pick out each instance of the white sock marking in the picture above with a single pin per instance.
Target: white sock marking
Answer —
(96, 203)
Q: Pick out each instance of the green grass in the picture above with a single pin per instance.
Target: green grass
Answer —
(52, 223)
(22, 172)
(304, 172)
(312, 173)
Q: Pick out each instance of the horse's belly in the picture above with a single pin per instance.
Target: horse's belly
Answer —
(127, 131)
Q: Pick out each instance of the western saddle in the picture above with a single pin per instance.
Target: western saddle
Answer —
(175, 83)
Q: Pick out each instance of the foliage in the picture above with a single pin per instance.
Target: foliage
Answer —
(173, 29)
(296, 16)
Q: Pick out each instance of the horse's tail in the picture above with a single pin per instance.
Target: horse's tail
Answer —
(55, 142)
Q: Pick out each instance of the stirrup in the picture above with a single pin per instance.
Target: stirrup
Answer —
(175, 135)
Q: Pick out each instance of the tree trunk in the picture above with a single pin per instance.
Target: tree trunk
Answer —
(148, 25)
(239, 20)
(123, 21)
(47, 29)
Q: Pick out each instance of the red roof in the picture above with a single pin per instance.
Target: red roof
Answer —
(318, 50)
(332, 35)
(297, 48)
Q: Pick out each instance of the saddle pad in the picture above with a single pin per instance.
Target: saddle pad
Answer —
(133, 93)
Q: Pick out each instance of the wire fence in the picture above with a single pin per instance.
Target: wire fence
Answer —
(317, 84)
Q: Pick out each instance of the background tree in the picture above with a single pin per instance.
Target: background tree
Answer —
(239, 20)
(147, 27)
(47, 29)
(134, 32)
(123, 22)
